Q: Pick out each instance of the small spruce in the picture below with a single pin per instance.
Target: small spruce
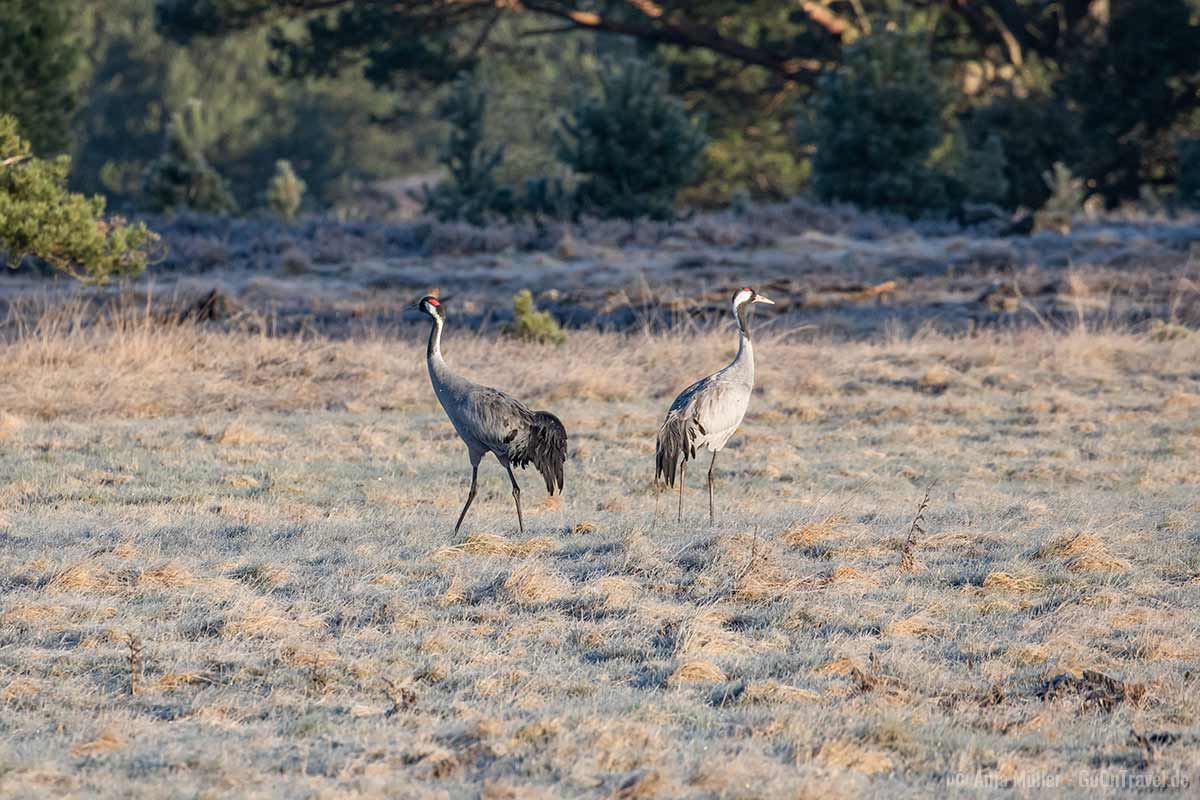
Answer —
(285, 192)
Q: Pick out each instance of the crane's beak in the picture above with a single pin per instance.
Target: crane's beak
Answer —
(758, 298)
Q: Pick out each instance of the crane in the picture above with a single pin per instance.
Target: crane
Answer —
(490, 421)
(708, 412)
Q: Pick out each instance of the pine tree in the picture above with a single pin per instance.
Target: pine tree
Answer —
(879, 119)
(38, 58)
(181, 177)
(634, 144)
(472, 192)
(68, 231)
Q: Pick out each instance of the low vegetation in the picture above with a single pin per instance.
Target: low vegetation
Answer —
(531, 324)
(941, 565)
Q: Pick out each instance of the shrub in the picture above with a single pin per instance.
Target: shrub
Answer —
(1065, 201)
(285, 192)
(533, 325)
(181, 177)
(472, 192)
(982, 173)
(1033, 131)
(634, 144)
(1187, 189)
(40, 218)
(878, 120)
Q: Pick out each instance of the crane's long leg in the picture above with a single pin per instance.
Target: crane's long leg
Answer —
(711, 517)
(682, 478)
(516, 495)
(470, 495)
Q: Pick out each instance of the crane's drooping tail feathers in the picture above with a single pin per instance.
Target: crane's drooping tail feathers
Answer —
(546, 449)
(676, 443)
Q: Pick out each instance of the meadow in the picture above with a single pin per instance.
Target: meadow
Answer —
(227, 569)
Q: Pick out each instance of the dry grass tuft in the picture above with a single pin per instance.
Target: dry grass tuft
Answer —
(841, 666)
(262, 618)
(106, 742)
(1083, 552)
(492, 544)
(171, 575)
(239, 433)
(705, 636)
(807, 534)
(914, 626)
(171, 681)
(848, 754)
(1070, 545)
(86, 576)
(17, 689)
(697, 672)
(455, 592)
(10, 425)
(614, 591)
(534, 582)
(774, 693)
(1100, 561)
(1007, 582)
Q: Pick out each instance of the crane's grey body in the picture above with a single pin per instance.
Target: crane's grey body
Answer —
(490, 421)
(706, 414)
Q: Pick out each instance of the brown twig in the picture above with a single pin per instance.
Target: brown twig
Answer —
(908, 561)
(135, 664)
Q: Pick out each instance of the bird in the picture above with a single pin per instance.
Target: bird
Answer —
(490, 421)
(709, 411)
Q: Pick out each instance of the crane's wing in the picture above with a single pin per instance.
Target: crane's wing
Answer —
(707, 405)
(494, 418)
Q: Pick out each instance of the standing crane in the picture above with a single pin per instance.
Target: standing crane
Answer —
(489, 421)
(708, 412)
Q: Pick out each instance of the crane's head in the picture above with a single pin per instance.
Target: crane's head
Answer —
(432, 306)
(747, 295)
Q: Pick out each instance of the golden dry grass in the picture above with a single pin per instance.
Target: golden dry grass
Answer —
(271, 518)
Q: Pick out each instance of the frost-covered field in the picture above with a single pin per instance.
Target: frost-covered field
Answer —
(227, 569)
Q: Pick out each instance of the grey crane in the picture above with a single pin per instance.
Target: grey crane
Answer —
(708, 412)
(489, 421)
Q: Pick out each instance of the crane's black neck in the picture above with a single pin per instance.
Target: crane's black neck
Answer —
(743, 312)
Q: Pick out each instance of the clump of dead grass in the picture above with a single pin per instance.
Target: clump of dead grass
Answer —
(807, 534)
(775, 693)
(1009, 582)
(849, 754)
(491, 544)
(614, 591)
(697, 671)
(704, 635)
(535, 582)
(106, 741)
(1083, 552)
(262, 618)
